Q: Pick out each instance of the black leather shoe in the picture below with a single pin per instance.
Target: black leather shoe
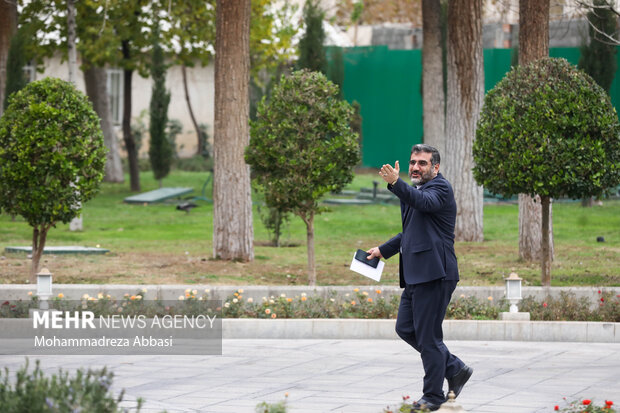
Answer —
(457, 382)
(423, 405)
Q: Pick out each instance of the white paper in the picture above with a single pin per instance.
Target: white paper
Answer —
(366, 270)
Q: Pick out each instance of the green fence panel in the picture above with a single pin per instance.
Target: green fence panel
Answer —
(496, 65)
(387, 84)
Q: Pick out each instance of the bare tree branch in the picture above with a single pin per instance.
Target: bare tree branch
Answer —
(604, 37)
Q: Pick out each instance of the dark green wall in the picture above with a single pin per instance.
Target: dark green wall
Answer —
(387, 84)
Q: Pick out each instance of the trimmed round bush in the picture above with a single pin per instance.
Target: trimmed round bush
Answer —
(52, 155)
(301, 144)
(547, 129)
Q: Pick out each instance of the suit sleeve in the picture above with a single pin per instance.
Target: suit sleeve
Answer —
(391, 247)
(431, 197)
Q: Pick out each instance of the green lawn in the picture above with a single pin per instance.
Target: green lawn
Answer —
(158, 244)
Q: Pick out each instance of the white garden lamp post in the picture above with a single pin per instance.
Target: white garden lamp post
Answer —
(513, 295)
(44, 288)
(513, 291)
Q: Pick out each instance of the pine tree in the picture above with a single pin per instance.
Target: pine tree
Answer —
(16, 60)
(311, 51)
(160, 150)
(598, 58)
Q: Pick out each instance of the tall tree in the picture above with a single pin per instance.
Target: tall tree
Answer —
(302, 147)
(77, 223)
(8, 26)
(160, 149)
(311, 50)
(133, 44)
(89, 29)
(95, 79)
(15, 77)
(541, 126)
(464, 101)
(433, 98)
(533, 45)
(189, 40)
(51, 157)
(232, 211)
(71, 36)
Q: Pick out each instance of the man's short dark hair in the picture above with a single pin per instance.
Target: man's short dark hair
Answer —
(420, 147)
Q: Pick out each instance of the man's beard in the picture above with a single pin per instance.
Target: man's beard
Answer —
(422, 178)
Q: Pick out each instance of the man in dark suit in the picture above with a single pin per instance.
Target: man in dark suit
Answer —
(428, 269)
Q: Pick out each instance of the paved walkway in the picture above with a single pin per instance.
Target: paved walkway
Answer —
(356, 376)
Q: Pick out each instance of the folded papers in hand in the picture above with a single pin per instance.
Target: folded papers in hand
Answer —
(368, 268)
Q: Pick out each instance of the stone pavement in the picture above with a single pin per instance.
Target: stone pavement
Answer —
(355, 376)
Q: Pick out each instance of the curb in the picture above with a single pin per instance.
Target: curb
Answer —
(470, 330)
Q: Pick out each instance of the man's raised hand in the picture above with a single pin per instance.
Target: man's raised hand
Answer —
(390, 174)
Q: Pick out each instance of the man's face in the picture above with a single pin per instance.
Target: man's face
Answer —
(420, 169)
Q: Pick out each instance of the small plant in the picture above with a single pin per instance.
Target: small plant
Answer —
(32, 391)
(272, 218)
(587, 405)
(470, 308)
(568, 308)
(360, 304)
(279, 407)
(17, 309)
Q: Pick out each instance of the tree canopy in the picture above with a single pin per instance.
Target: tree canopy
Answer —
(548, 129)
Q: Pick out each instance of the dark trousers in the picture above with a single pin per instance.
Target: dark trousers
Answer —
(421, 312)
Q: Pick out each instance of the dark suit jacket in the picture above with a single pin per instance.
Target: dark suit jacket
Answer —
(426, 244)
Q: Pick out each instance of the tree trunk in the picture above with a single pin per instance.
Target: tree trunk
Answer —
(546, 254)
(310, 245)
(464, 101)
(95, 80)
(39, 236)
(76, 223)
(533, 30)
(200, 146)
(232, 201)
(433, 99)
(8, 27)
(130, 144)
(530, 238)
(71, 50)
(533, 45)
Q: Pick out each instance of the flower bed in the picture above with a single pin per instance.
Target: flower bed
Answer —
(355, 304)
